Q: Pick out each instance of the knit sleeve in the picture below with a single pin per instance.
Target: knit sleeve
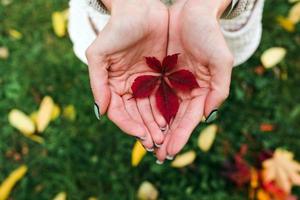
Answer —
(243, 32)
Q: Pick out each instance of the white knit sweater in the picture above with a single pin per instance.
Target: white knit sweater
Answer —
(242, 33)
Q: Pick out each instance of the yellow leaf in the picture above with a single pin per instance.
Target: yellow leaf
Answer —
(61, 196)
(45, 113)
(272, 56)
(36, 138)
(138, 152)
(59, 22)
(262, 195)
(92, 198)
(11, 180)
(33, 116)
(21, 121)
(55, 113)
(147, 191)
(15, 34)
(293, 1)
(207, 137)
(184, 159)
(286, 24)
(294, 14)
(283, 169)
(4, 53)
(69, 112)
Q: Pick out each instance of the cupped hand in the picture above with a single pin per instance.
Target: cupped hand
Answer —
(195, 33)
(136, 29)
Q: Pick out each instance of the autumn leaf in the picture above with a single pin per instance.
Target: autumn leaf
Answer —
(44, 114)
(69, 112)
(286, 24)
(59, 22)
(8, 184)
(22, 122)
(266, 127)
(13, 33)
(294, 13)
(147, 191)
(263, 195)
(272, 56)
(4, 53)
(184, 159)
(283, 169)
(207, 137)
(166, 98)
(61, 196)
(138, 152)
(55, 112)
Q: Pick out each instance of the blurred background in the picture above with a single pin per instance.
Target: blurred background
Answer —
(52, 146)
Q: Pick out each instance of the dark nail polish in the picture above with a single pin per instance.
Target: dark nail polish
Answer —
(212, 116)
(97, 111)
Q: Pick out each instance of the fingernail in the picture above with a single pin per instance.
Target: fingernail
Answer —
(170, 157)
(150, 149)
(97, 111)
(159, 162)
(212, 116)
(157, 145)
(163, 128)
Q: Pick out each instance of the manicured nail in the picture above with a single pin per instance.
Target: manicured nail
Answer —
(170, 157)
(159, 162)
(157, 145)
(150, 149)
(212, 116)
(163, 128)
(97, 111)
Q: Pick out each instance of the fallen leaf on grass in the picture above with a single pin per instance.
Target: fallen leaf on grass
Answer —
(4, 53)
(138, 152)
(69, 112)
(21, 121)
(207, 137)
(272, 56)
(286, 24)
(15, 34)
(263, 195)
(184, 159)
(283, 169)
(59, 22)
(44, 114)
(8, 184)
(61, 196)
(265, 127)
(55, 112)
(294, 14)
(147, 191)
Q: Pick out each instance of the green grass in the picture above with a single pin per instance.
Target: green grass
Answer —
(90, 158)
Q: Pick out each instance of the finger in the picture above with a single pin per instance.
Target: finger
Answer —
(98, 79)
(131, 108)
(161, 153)
(181, 111)
(220, 70)
(118, 114)
(160, 120)
(190, 120)
(147, 116)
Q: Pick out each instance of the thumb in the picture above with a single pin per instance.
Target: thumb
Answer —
(219, 88)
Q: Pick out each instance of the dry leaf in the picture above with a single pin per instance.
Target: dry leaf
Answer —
(4, 53)
(265, 127)
(272, 56)
(207, 137)
(21, 121)
(37, 139)
(286, 24)
(138, 152)
(11, 180)
(262, 195)
(45, 113)
(147, 191)
(33, 116)
(61, 196)
(15, 34)
(59, 22)
(69, 112)
(184, 159)
(55, 112)
(283, 169)
(294, 14)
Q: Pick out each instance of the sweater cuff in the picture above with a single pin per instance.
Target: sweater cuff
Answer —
(98, 5)
(236, 8)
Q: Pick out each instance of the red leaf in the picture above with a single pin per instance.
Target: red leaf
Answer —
(167, 101)
(183, 80)
(170, 62)
(154, 64)
(143, 86)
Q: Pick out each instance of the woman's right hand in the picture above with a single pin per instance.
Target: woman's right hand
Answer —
(136, 29)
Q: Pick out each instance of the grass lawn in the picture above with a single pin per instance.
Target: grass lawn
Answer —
(88, 158)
